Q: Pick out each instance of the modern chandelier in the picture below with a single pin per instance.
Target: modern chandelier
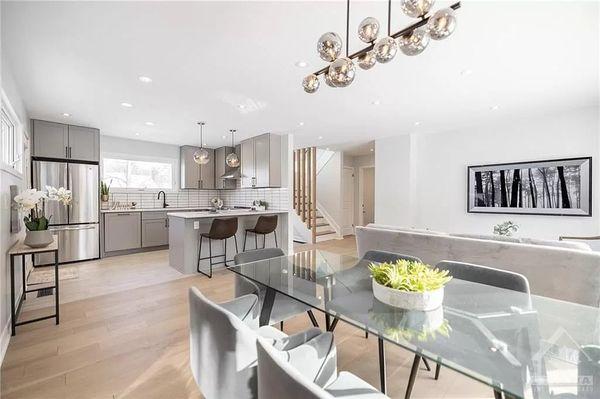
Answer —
(201, 156)
(411, 40)
(232, 160)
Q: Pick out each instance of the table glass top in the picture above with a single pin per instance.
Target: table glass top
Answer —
(524, 345)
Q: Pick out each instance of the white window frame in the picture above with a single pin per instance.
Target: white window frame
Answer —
(15, 165)
(131, 157)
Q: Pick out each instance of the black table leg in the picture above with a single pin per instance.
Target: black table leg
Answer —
(265, 312)
(23, 277)
(497, 394)
(327, 322)
(382, 374)
(56, 304)
(413, 376)
(13, 316)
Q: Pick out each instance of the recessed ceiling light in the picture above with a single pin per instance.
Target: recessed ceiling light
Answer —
(320, 137)
(494, 107)
(223, 137)
(327, 148)
(417, 123)
(372, 149)
(300, 123)
(127, 105)
(466, 72)
(301, 64)
(137, 134)
(241, 106)
(66, 114)
(149, 123)
(375, 102)
(144, 79)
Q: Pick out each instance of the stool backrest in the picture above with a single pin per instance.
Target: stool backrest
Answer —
(266, 224)
(221, 229)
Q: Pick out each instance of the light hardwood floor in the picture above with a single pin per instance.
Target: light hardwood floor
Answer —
(127, 337)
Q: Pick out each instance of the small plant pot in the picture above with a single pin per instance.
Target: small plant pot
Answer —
(261, 208)
(38, 238)
(104, 198)
(423, 301)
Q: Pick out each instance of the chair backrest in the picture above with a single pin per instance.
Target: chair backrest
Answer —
(223, 228)
(266, 224)
(486, 275)
(244, 286)
(279, 379)
(384, 256)
(222, 350)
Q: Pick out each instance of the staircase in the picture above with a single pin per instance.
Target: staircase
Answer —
(306, 166)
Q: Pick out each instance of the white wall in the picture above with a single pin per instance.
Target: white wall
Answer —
(329, 189)
(421, 179)
(7, 239)
(356, 162)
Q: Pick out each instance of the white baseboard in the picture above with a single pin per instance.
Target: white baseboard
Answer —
(4, 341)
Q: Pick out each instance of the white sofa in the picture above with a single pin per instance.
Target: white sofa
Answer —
(568, 271)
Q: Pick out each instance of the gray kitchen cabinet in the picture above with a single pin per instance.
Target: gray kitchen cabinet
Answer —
(50, 139)
(155, 232)
(84, 143)
(221, 168)
(60, 141)
(261, 161)
(122, 231)
(194, 175)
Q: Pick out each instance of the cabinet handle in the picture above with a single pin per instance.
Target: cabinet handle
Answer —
(66, 152)
(70, 152)
(123, 214)
(254, 182)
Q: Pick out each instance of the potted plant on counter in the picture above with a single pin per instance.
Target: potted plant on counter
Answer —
(409, 285)
(33, 201)
(104, 191)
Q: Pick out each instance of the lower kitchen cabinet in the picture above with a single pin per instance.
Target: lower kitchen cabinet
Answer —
(122, 231)
(155, 232)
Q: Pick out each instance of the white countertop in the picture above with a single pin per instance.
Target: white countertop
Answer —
(233, 212)
(168, 209)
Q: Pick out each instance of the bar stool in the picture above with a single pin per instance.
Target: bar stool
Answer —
(220, 229)
(264, 225)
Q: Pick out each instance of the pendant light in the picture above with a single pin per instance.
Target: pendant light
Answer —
(232, 159)
(201, 156)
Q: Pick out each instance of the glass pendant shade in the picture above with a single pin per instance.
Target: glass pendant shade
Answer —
(201, 156)
(232, 160)
(368, 30)
(328, 80)
(329, 46)
(416, 8)
(341, 72)
(441, 24)
(386, 49)
(310, 83)
(415, 42)
(367, 60)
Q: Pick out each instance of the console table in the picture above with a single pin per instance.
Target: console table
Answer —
(20, 249)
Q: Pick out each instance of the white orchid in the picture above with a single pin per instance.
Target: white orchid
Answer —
(61, 194)
(32, 201)
(28, 199)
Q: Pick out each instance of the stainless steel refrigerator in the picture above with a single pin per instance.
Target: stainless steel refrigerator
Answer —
(76, 224)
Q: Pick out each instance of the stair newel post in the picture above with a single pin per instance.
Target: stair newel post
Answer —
(309, 186)
(303, 185)
(313, 210)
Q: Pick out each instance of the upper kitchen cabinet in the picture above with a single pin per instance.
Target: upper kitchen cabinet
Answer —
(261, 161)
(56, 140)
(193, 175)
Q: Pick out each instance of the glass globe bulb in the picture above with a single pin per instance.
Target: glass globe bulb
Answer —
(310, 83)
(415, 42)
(201, 156)
(368, 30)
(232, 160)
(386, 49)
(342, 71)
(328, 80)
(329, 46)
(416, 8)
(441, 24)
(367, 60)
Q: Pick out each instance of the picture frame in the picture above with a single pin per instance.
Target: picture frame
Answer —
(555, 187)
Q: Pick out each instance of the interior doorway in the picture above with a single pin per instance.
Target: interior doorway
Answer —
(367, 195)
(348, 200)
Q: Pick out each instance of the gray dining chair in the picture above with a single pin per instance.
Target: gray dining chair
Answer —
(385, 256)
(281, 375)
(284, 307)
(477, 274)
(223, 345)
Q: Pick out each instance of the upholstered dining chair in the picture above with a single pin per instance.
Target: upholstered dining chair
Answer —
(283, 307)
(282, 375)
(482, 275)
(223, 345)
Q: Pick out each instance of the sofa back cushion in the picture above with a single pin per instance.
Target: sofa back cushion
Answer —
(561, 273)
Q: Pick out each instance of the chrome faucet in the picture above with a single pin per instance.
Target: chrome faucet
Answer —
(164, 198)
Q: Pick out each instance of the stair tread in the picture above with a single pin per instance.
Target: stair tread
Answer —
(322, 224)
(322, 233)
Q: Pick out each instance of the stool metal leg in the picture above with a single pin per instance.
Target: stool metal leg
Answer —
(236, 247)
(276, 245)
(264, 240)
(245, 238)
(225, 253)
(255, 241)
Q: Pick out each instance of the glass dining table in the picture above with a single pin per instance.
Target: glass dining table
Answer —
(520, 345)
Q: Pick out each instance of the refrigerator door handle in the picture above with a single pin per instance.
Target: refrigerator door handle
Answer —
(69, 228)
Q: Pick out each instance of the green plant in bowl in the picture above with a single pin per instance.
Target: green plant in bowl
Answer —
(410, 276)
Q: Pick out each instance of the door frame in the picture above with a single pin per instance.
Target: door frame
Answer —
(353, 221)
(361, 177)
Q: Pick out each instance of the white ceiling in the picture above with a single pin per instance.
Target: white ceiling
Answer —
(207, 58)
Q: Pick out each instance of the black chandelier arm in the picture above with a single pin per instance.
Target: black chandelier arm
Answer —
(347, 27)
(396, 35)
(389, 17)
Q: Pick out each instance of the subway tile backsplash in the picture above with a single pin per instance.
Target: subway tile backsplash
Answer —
(277, 198)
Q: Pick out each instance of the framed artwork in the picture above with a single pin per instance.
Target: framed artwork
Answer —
(559, 187)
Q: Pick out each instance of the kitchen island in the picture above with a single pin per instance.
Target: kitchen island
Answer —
(185, 229)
